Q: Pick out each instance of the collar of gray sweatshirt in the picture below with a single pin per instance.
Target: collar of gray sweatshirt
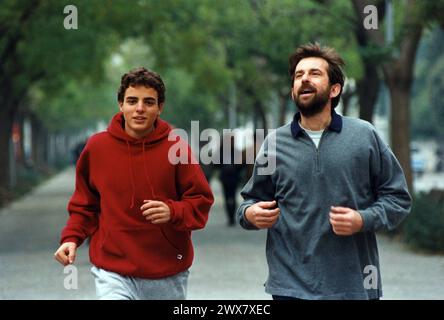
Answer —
(352, 167)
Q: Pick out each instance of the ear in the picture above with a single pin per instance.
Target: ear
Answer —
(292, 94)
(335, 90)
(160, 109)
(120, 106)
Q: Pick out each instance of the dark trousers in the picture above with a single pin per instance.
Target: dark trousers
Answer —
(230, 201)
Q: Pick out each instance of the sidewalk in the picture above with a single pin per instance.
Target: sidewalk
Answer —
(229, 262)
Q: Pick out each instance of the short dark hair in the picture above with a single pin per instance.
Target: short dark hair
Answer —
(141, 77)
(335, 62)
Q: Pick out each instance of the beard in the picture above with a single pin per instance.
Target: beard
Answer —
(316, 104)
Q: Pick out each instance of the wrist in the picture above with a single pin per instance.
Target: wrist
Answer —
(248, 214)
(359, 221)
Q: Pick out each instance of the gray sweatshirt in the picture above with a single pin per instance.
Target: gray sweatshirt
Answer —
(352, 168)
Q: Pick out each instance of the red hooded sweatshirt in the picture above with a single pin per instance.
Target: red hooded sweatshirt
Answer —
(114, 174)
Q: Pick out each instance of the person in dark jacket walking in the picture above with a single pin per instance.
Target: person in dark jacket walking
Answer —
(335, 184)
(138, 206)
(230, 174)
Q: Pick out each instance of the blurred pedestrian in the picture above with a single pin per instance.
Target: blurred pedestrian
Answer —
(248, 156)
(77, 150)
(230, 175)
(335, 184)
(138, 208)
(440, 159)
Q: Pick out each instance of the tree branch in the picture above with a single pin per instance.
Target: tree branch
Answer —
(12, 41)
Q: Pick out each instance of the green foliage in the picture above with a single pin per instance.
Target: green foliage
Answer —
(424, 227)
(428, 88)
(58, 72)
(78, 104)
(210, 46)
(185, 102)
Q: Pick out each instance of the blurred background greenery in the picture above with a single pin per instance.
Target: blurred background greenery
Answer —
(224, 63)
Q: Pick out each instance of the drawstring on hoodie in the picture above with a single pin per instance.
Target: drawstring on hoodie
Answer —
(117, 130)
(147, 177)
(131, 175)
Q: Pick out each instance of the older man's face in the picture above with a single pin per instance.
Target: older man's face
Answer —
(311, 86)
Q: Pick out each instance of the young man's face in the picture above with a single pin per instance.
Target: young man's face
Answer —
(311, 87)
(140, 109)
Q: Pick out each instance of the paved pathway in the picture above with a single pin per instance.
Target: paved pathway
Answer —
(229, 262)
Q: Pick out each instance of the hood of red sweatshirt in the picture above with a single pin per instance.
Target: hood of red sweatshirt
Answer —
(117, 129)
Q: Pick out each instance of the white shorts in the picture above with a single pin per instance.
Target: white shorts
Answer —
(113, 286)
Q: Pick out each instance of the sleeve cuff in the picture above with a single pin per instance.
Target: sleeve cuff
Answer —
(367, 220)
(76, 240)
(175, 218)
(244, 221)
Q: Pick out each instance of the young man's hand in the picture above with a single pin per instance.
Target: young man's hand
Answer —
(345, 221)
(66, 253)
(263, 214)
(155, 211)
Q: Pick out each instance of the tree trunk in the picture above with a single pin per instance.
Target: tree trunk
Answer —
(39, 144)
(18, 128)
(400, 127)
(283, 101)
(347, 94)
(259, 110)
(368, 88)
(399, 76)
(5, 137)
(398, 73)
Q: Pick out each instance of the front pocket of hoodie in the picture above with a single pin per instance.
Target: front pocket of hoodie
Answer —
(145, 248)
(109, 247)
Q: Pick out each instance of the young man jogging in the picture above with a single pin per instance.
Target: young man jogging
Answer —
(136, 206)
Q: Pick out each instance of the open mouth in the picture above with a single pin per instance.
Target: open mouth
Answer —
(306, 92)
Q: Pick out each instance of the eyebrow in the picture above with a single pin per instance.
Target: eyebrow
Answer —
(310, 70)
(137, 98)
